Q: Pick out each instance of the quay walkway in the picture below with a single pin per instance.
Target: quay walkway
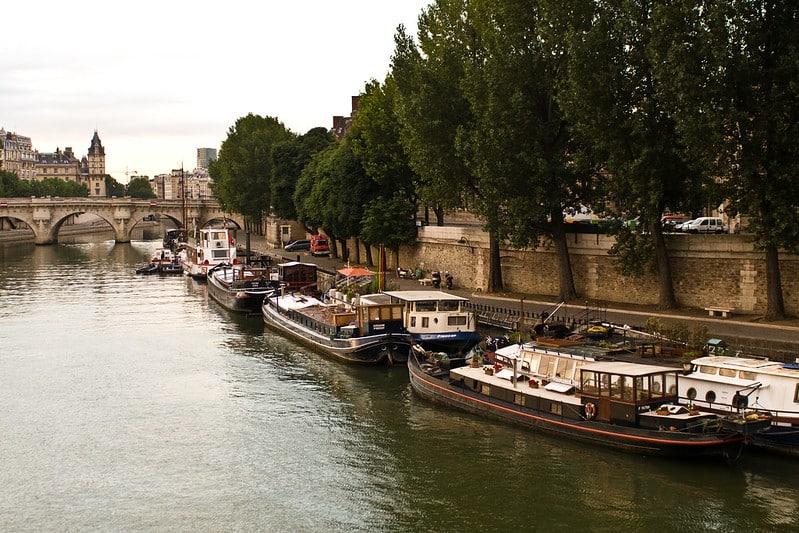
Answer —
(748, 333)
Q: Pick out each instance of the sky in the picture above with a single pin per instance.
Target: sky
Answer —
(159, 79)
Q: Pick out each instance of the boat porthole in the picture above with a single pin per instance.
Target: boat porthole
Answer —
(691, 393)
(383, 348)
(710, 397)
(394, 347)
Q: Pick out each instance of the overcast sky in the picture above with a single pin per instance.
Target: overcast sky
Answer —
(159, 79)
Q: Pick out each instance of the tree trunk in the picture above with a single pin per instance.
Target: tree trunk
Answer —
(495, 264)
(566, 289)
(666, 298)
(775, 306)
(369, 261)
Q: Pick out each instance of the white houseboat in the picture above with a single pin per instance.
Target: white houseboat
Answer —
(212, 247)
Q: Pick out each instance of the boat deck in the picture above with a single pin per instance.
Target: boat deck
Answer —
(553, 391)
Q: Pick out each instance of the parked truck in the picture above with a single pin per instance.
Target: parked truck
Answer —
(319, 245)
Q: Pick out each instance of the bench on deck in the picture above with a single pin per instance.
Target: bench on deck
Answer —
(425, 281)
(719, 311)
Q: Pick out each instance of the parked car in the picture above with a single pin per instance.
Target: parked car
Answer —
(683, 226)
(298, 245)
(669, 222)
(706, 225)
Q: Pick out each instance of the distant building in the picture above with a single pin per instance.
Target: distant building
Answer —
(205, 156)
(17, 155)
(172, 186)
(341, 124)
(64, 165)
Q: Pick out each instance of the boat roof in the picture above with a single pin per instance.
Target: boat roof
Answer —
(753, 364)
(425, 295)
(626, 368)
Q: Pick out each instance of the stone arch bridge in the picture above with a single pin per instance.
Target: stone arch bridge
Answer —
(46, 215)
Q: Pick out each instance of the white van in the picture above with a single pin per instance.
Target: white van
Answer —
(706, 225)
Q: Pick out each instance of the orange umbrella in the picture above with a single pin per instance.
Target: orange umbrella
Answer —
(355, 271)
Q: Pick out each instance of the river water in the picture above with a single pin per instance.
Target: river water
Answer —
(135, 403)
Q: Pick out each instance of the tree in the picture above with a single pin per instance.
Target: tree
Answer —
(290, 157)
(389, 219)
(243, 172)
(434, 112)
(140, 188)
(113, 187)
(13, 187)
(615, 101)
(431, 107)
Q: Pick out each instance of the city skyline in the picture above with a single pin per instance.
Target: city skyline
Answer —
(157, 81)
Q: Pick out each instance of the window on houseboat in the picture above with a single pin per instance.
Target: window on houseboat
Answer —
(425, 306)
(704, 369)
(589, 385)
(727, 372)
(564, 368)
(691, 393)
(456, 320)
(547, 365)
(747, 374)
(413, 321)
(796, 395)
(658, 385)
(448, 305)
(425, 322)
(641, 388)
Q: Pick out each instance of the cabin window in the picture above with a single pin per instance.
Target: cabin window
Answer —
(589, 383)
(691, 393)
(641, 388)
(796, 394)
(413, 321)
(564, 369)
(658, 385)
(448, 306)
(456, 320)
(710, 397)
(425, 306)
(547, 365)
(425, 322)
(727, 372)
(556, 408)
(704, 369)
(747, 374)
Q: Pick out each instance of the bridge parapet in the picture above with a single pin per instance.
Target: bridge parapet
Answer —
(46, 215)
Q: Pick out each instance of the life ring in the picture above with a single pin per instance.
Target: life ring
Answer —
(590, 411)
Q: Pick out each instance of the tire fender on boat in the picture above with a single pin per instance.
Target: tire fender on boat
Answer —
(590, 411)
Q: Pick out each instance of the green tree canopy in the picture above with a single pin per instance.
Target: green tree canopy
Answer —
(140, 188)
(243, 172)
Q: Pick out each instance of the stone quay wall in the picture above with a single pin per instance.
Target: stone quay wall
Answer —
(707, 270)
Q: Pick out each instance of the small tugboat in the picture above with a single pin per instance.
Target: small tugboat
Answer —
(619, 405)
(212, 247)
(349, 331)
(163, 261)
(241, 288)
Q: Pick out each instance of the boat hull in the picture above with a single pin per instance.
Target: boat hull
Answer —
(569, 422)
(450, 343)
(389, 348)
(241, 299)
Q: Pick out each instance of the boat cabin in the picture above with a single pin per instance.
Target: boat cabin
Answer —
(619, 392)
(297, 276)
(433, 311)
